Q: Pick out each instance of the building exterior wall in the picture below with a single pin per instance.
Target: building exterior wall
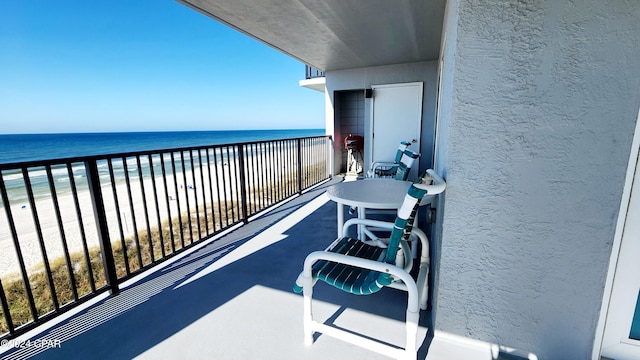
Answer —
(537, 109)
(363, 78)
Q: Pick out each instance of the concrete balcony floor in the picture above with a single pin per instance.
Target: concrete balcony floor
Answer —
(231, 298)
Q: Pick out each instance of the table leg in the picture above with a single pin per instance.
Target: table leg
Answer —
(414, 241)
(361, 215)
(340, 219)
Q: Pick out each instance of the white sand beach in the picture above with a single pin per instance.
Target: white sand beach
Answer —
(51, 232)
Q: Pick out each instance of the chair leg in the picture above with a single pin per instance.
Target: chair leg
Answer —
(414, 246)
(412, 334)
(307, 292)
(423, 286)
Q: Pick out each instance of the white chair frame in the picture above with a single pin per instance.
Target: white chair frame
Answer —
(417, 292)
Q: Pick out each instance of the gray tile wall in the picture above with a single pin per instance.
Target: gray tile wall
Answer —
(349, 117)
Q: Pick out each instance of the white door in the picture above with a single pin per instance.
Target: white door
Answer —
(621, 338)
(396, 116)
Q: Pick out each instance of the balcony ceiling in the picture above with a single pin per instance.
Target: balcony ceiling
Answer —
(337, 34)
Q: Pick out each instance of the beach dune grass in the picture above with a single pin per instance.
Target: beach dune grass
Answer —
(138, 253)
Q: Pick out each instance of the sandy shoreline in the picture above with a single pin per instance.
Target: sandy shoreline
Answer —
(51, 232)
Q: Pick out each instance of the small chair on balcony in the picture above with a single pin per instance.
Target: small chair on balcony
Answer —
(386, 169)
(365, 267)
(405, 164)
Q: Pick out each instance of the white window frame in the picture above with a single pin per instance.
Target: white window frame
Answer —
(623, 280)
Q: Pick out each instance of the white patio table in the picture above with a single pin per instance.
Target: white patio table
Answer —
(367, 194)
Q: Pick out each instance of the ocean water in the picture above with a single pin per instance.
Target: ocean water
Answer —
(33, 147)
(29, 147)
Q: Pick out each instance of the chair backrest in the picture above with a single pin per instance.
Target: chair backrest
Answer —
(405, 164)
(401, 148)
(404, 223)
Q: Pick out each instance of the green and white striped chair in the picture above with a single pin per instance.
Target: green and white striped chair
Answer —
(398, 169)
(363, 268)
(407, 160)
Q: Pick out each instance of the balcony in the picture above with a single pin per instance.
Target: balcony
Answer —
(229, 297)
(187, 252)
(312, 73)
(314, 79)
(216, 282)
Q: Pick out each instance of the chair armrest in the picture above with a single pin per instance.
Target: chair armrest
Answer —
(384, 225)
(376, 164)
(436, 187)
(382, 166)
(366, 222)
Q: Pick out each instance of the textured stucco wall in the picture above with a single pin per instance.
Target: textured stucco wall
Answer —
(363, 78)
(538, 105)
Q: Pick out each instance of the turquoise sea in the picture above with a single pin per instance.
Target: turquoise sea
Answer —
(34, 147)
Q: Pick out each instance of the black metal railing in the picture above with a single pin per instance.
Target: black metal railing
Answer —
(312, 73)
(73, 228)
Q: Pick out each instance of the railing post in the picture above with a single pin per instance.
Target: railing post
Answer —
(243, 182)
(16, 245)
(97, 201)
(299, 166)
(5, 308)
(332, 156)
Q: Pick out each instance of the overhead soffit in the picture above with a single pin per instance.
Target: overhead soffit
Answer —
(337, 34)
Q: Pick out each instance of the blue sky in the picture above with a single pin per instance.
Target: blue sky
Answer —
(141, 65)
